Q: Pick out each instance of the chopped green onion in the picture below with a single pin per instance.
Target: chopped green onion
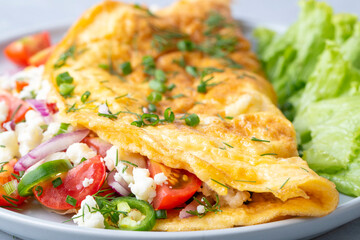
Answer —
(171, 86)
(66, 89)
(161, 214)
(126, 68)
(64, 78)
(63, 128)
(83, 159)
(149, 65)
(39, 190)
(154, 97)
(229, 117)
(70, 200)
(157, 86)
(180, 95)
(271, 154)
(85, 96)
(2, 146)
(152, 107)
(104, 66)
(186, 45)
(160, 75)
(192, 120)
(192, 71)
(259, 140)
(10, 187)
(169, 115)
(150, 119)
(117, 157)
(64, 56)
(57, 182)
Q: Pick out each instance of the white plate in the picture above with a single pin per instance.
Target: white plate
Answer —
(37, 223)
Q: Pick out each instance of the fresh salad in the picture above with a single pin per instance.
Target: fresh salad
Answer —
(71, 170)
(315, 70)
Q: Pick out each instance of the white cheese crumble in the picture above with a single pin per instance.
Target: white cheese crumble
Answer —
(77, 151)
(87, 182)
(86, 218)
(29, 136)
(51, 130)
(4, 111)
(34, 118)
(34, 77)
(10, 147)
(200, 209)
(144, 187)
(160, 179)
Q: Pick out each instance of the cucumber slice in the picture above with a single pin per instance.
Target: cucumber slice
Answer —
(42, 173)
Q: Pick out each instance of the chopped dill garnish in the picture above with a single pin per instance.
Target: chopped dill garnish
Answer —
(70, 52)
(220, 117)
(304, 169)
(268, 154)
(219, 183)
(228, 145)
(229, 117)
(259, 140)
(130, 163)
(285, 182)
(207, 206)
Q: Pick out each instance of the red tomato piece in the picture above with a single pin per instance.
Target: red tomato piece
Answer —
(181, 186)
(21, 50)
(5, 177)
(15, 105)
(55, 198)
(52, 108)
(41, 57)
(19, 85)
(98, 145)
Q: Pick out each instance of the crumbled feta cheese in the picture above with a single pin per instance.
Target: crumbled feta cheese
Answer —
(135, 158)
(87, 182)
(6, 82)
(51, 130)
(86, 218)
(43, 93)
(34, 77)
(29, 136)
(34, 118)
(144, 186)
(160, 179)
(4, 111)
(10, 147)
(77, 151)
(200, 209)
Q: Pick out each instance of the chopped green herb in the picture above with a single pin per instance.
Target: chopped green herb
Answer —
(64, 56)
(10, 187)
(2, 166)
(10, 200)
(83, 160)
(85, 96)
(126, 68)
(228, 145)
(160, 75)
(39, 190)
(154, 97)
(117, 157)
(2, 146)
(152, 107)
(63, 128)
(44, 127)
(149, 65)
(18, 177)
(229, 117)
(124, 169)
(192, 71)
(130, 163)
(181, 61)
(57, 182)
(304, 169)
(220, 117)
(186, 45)
(121, 96)
(137, 6)
(285, 182)
(171, 86)
(161, 214)
(169, 115)
(66, 89)
(207, 206)
(259, 140)
(180, 95)
(157, 86)
(64, 78)
(70, 200)
(104, 66)
(150, 119)
(164, 40)
(271, 154)
(192, 120)
(15, 112)
(219, 183)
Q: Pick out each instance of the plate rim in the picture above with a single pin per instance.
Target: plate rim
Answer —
(30, 221)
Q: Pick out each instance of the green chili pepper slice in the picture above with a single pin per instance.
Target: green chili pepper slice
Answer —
(140, 215)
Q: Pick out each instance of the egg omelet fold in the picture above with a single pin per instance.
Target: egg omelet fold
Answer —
(237, 109)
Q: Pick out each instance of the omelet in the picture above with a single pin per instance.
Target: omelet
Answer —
(190, 60)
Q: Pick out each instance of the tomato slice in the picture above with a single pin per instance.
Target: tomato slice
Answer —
(55, 198)
(19, 85)
(181, 186)
(21, 50)
(16, 105)
(41, 57)
(12, 200)
(98, 145)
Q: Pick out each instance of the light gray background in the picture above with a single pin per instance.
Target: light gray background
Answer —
(22, 15)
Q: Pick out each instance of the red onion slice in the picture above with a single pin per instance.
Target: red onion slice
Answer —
(190, 207)
(55, 144)
(40, 106)
(120, 187)
(9, 126)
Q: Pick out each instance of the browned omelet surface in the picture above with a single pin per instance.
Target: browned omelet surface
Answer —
(218, 148)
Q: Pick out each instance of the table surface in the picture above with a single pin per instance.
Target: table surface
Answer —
(21, 15)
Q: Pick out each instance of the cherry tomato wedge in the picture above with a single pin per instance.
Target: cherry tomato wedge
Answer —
(21, 50)
(16, 105)
(12, 200)
(41, 57)
(72, 186)
(98, 145)
(181, 186)
(19, 85)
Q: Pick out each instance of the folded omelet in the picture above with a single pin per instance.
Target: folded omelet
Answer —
(243, 143)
